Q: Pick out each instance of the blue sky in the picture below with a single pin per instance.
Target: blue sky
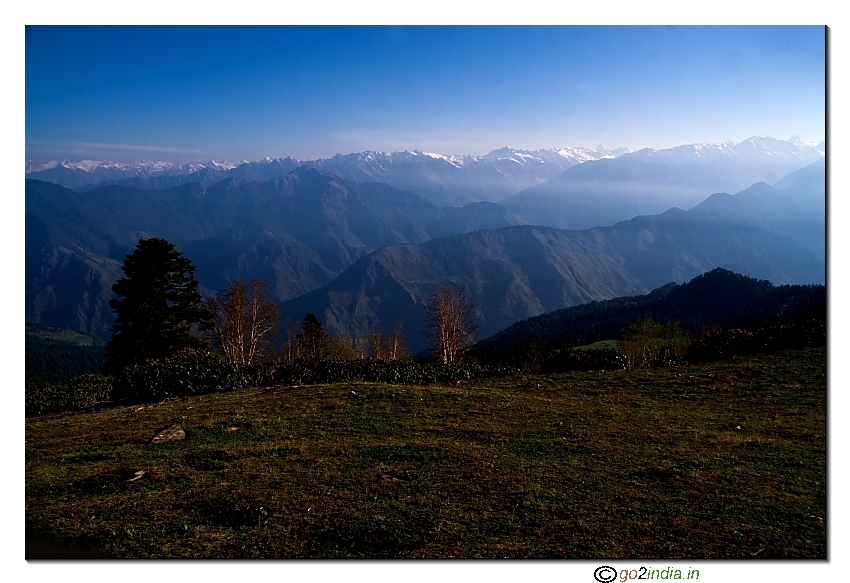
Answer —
(183, 93)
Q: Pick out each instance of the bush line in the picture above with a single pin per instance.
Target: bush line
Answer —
(199, 372)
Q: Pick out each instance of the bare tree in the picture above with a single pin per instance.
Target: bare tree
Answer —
(450, 322)
(380, 346)
(375, 342)
(244, 320)
(290, 347)
(394, 345)
(361, 348)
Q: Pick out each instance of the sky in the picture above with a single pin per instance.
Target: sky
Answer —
(185, 93)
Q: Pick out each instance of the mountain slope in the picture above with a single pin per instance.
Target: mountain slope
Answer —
(604, 192)
(730, 167)
(518, 272)
(795, 207)
(719, 297)
(297, 232)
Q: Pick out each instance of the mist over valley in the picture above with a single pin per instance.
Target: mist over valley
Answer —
(342, 239)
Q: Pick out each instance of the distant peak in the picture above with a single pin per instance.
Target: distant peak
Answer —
(501, 151)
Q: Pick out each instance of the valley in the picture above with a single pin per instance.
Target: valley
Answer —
(365, 253)
(450, 291)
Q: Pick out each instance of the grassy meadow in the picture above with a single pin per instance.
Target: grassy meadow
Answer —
(722, 460)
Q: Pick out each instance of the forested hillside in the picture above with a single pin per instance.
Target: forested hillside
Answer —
(717, 298)
(57, 355)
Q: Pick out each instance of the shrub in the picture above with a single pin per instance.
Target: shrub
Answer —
(200, 372)
(79, 392)
(306, 371)
(791, 335)
(648, 343)
(584, 360)
(716, 344)
(191, 371)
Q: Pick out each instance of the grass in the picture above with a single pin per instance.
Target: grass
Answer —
(725, 460)
(46, 333)
(610, 344)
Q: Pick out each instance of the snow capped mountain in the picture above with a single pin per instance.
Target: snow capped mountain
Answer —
(454, 180)
(40, 166)
(457, 180)
(751, 148)
(453, 160)
(94, 165)
(217, 165)
(806, 153)
(801, 144)
(91, 172)
(731, 167)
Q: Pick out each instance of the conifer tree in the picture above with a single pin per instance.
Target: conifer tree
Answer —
(159, 305)
(313, 341)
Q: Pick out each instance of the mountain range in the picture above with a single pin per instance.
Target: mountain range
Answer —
(650, 181)
(445, 180)
(356, 253)
(518, 272)
(297, 232)
(702, 169)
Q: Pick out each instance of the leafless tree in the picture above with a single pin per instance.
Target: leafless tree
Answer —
(244, 320)
(394, 346)
(450, 322)
(290, 347)
(361, 347)
(375, 342)
(386, 347)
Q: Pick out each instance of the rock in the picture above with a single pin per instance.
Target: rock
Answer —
(136, 476)
(173, 433)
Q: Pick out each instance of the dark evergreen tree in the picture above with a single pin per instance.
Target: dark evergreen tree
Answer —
(313, 341)
(161, 305)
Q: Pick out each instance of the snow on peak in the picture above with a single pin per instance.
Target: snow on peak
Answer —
(437, 156)
(580, 154)
(41, 166)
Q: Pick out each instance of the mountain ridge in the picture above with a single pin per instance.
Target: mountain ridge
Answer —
(301, 231)
(716, 298)
(518, 272)
(649, 182)
(297, 231)
(451, 180)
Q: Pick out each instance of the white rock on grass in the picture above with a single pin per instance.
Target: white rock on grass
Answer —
(173, 433)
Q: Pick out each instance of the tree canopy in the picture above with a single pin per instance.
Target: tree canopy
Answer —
(313, 341)
(159, 305)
